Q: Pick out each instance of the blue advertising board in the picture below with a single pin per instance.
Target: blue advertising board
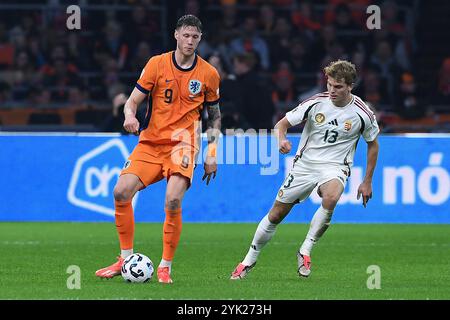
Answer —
(70, 177)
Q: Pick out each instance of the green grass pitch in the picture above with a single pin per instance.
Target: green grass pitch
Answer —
(414, 262)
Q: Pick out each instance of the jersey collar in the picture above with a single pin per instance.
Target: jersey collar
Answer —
(351, 102)
(180, 68)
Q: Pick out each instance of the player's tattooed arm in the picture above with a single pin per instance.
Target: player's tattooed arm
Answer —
(213, 132)
(214, 123)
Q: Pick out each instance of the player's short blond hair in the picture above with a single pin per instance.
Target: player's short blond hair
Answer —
(341, 70)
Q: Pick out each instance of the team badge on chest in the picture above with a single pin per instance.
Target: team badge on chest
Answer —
(195, 86)
(347, 125)
(320, 118)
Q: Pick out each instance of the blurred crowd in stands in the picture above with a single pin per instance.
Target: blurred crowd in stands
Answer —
(270, 55)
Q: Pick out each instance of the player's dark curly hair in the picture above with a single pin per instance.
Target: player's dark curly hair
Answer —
(189, 20)
(341, 70)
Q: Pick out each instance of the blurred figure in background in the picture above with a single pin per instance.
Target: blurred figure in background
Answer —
(320, 86)
(143, 52)
(250, 41)
(23, 77)
(305, 20)
(229, 101)
(298, 56)
(443, 90)
(280, 41)
(114, 121)
(383, 60)
(284, 94)
(373, 90)
(112, 44)
(266, 20)
(255, 102)
(408, 103)
(217, 43)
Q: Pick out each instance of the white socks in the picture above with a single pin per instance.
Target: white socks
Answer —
(166, 263)
(263, 234)
(266, 229)
(319, 224)
(126, 253)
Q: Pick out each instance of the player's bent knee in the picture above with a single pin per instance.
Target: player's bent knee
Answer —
(330, 201)
(279, 211)
(122, 193)
(275, 217)
(173, 202)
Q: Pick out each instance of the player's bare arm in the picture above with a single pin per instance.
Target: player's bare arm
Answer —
(213, 133)
(281, 129)
(365, 189)
(131, 123)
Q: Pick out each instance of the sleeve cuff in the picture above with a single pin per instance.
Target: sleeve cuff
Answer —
(373, 136)
(141, 89)
(211, 103)
(289, 119)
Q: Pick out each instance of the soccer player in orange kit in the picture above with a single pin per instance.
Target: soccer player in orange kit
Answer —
(180, 84)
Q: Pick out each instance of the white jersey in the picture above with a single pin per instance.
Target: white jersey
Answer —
(331, 133)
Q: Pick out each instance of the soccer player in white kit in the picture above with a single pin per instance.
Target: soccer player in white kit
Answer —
(334, 121)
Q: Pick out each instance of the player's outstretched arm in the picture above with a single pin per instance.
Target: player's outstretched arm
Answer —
(365, 189)
(213, 133)
(131, 124)
(280, 131)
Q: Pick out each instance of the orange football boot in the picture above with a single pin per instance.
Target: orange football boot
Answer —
(111, 271)
(164, 275)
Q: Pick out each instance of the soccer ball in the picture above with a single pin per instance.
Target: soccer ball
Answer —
(137, 268)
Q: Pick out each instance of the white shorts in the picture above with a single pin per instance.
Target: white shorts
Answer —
(303, 178)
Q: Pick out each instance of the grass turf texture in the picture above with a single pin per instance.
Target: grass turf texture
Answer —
(414, 261)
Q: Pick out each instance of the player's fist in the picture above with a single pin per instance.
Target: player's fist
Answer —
(131, 125)
(285, 146)
(210, 169)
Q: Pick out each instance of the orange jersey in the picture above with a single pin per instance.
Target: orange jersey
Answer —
(177, 96)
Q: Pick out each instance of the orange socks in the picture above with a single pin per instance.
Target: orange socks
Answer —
(171, 233)
(125, 223)
(125, 228)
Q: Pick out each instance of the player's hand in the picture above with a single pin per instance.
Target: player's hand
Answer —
(131, 125)
(365, 190)
(285, 146)
(210, 168)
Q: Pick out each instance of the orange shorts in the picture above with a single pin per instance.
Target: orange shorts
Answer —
(152, 162)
